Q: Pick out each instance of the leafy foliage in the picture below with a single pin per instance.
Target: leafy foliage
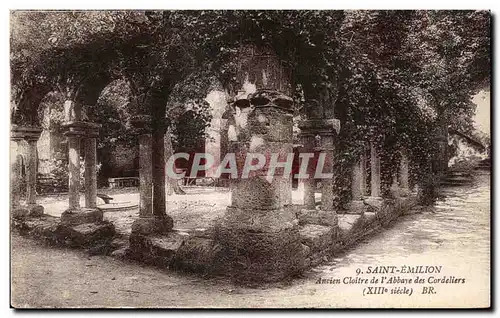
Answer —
(392, 77)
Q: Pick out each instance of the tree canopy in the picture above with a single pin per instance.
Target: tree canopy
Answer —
(392, 75)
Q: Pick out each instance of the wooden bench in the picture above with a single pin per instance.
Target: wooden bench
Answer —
(123, 182)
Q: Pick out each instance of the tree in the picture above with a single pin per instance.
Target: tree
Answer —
(403, 72)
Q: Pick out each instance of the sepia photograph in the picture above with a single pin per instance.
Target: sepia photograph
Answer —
(244, 159)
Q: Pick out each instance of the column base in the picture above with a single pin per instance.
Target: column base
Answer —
(261, 245)
(152, 225)
(356, 207)
(76, 216)
(319, 217)
(31, 210)
(374, 202)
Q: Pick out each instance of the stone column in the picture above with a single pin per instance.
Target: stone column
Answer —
(148, 222)
(145, 175)
(309, 183)
(395, 186)
(224, 144)
(362, 167)
(74, 171)
(75, 214)
(217, 100)
(404, 175)
(357, 204)
(31, 135)
(327, 197)
(375, 171)
(158, 157)
(375, 198)
(259, 225)
(15, 169)
(91, 167)
(326, 130)
(159, 190)
(31, 172)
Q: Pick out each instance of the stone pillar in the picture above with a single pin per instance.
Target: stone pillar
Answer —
(31, 136)
(91, 168)
(362, 167)
(357, 204)
(395, 186)
(75, 214)
(375, 199)
(375, 172)
(327, 197)
(158, 157)
(260, 226)
(148, 222)
(31, 172)
(326, 130)
(74, 171)
(15, 169)
(404, 175)
(145, 176)
(159, 177)
(217, 100)
(309, 183)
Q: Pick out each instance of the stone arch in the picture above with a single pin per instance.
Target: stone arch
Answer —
(25, 112)
(121, 161)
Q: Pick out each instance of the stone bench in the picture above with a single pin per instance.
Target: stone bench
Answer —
(106, 198)
(199, 181)
(123, 182)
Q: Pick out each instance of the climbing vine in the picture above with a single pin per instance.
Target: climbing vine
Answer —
(396, 76)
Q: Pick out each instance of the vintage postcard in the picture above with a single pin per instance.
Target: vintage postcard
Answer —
(250, 159)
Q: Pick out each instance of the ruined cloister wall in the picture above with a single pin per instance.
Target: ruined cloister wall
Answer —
(261, 230)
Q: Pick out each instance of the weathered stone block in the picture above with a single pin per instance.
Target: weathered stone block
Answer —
(370, 216)
(258, 220)
(20, 212)
(258, 256)
(33, 210)
(356, 207)
(260, 193)
(271, 123)
(317, 237)
(152, 225)
(52, 230)
(81, 215)
(121, 253)
(374, 203)
(388, 212)
(347, 221)
(158, 249)
(40, 228)
(90, 233)
(202, 255)
(320, 217)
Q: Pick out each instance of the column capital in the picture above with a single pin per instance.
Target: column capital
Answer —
(264, 98)
(81, 129)
(142, 124)
(322, 127)
(25, 133)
